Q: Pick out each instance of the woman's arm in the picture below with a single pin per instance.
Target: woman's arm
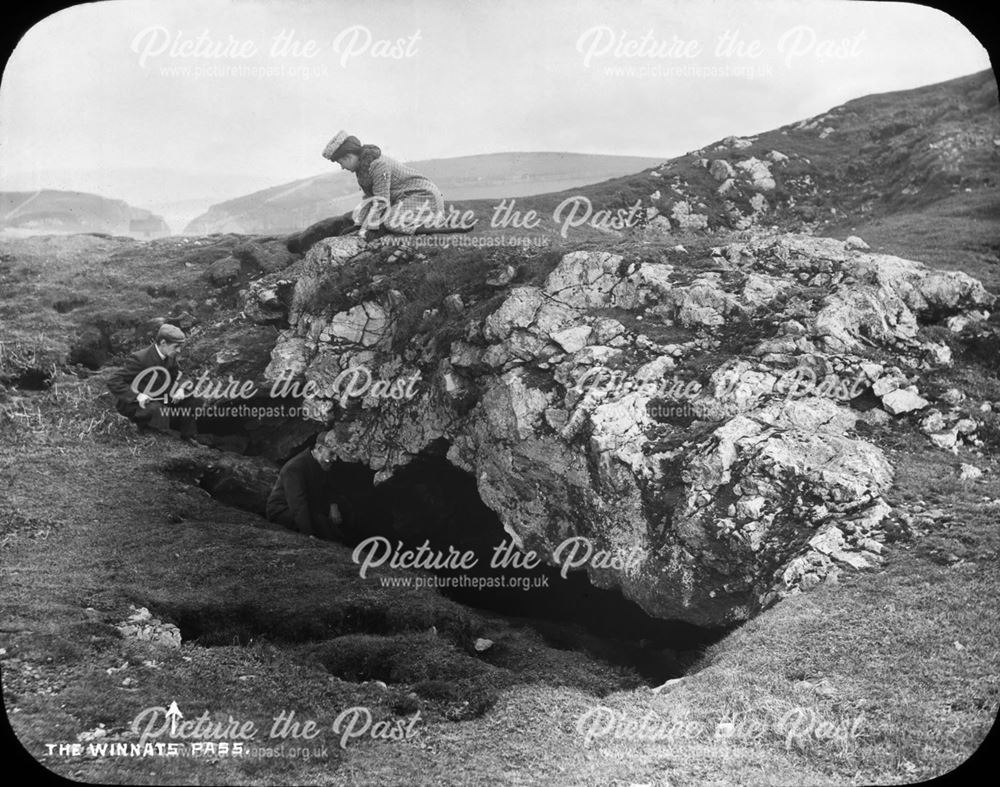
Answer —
(381, 180)
(380, 197)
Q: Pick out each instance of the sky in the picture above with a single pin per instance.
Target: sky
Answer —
(193, 95)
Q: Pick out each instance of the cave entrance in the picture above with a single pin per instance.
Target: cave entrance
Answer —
(268, 426)
(431, 501)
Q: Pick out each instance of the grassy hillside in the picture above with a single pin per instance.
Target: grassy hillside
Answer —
(890, 676)
(915, 173)
(877, 155)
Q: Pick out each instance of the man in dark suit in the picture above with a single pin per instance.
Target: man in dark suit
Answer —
(143, 385)
(306, 495)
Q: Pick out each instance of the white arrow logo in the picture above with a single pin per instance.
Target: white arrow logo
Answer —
(174, 713)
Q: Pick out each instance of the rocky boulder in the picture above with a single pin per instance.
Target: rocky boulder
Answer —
(711, 474)
(267, 257)
(721, 170)
(757, 172)
(224, 271)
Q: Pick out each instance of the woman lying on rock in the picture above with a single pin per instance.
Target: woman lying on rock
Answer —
(398, 199)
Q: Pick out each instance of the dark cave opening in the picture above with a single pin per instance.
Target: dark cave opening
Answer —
(268, 426)
(29, 379)
(432, 503)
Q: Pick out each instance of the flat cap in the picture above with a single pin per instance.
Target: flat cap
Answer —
(170, 333)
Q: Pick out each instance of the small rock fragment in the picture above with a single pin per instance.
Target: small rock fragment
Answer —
(95, 734)
(903, 400)
(952, 396)
(501, 277)
(454, 304)
(876, 417)
(947, 440)
(969, 472)
(933, 422)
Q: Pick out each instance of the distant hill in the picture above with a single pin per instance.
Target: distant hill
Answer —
(50, 211)
(295, 205)
(178, 195)
(872, 158)
(915, 171)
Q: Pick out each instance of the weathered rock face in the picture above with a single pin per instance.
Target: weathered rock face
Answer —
(236, 351)
(758, 173)
(721, 170)
(707, 483)
(687, 219)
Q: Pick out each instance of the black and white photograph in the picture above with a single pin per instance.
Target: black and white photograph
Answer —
(467, 392)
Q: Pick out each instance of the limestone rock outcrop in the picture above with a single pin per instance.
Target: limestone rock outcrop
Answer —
(708, 480)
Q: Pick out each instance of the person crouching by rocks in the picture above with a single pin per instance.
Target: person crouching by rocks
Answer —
(303, 498)
(142, 386)
(398, 199)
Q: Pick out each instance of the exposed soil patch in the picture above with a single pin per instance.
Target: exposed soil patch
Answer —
(30, 379)
(65, 305)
